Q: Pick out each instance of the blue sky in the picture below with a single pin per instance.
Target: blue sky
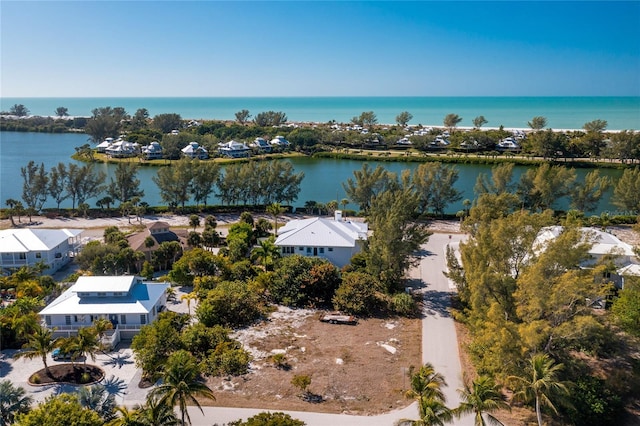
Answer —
(212, 48)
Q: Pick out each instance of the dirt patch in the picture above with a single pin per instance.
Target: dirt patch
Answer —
(67, 373)
(355, 369)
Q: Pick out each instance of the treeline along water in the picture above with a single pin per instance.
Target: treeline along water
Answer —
(322, 182)
(512, 112)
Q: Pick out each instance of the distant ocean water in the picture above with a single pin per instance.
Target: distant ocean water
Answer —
(511, 112)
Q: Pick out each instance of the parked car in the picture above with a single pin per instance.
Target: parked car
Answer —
(59, 355)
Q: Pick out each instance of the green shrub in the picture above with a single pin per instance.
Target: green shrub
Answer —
(36, 379)
(403, 304)
(594, 404)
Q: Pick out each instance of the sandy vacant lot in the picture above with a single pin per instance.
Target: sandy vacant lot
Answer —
(360, 369)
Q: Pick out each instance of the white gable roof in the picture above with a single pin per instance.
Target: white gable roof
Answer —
(630, 269)
(603, 242)
(26, 240)
(234, 145)
(140, 300)
(104, 284)
(321, 232)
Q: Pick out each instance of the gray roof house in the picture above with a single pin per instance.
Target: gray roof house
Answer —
(603, 244)
(194, 150)
(336, 240)
(233, 149)
(27, 247)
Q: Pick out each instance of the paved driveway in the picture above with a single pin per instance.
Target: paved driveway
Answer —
(119, 368)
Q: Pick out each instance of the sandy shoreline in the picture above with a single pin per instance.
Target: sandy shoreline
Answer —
(318, 123)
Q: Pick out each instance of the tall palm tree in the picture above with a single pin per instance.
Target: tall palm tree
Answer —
(266, 252)
(481, 397)
(100, 327)
(40, 344)
(13, 400)
(87, 343)
(541, 383)
(180, 384)
(426, 388)
(188, 297)
(275, 209)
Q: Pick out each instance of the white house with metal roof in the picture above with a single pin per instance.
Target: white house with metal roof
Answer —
(603, 244)
(26, 247)
(127, 302)
(336, 240)
(233, 149)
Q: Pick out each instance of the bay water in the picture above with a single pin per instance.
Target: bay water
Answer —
(322, 182)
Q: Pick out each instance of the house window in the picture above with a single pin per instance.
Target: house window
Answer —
(22, 256)
(308, 250)
(67, 319)
(58, 255)
(123, 319)
(301, 248)
(102, 294)
(75, 318)
(321, 249)
(38, 255)
(47, 319)
(117, 293)
(153, 311)
(330, 249)
(143, 319)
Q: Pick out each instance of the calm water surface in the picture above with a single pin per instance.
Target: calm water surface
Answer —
(322, 183)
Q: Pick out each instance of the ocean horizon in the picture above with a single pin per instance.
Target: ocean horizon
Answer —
(562, 112)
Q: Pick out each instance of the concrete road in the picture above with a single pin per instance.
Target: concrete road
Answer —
(439, 339)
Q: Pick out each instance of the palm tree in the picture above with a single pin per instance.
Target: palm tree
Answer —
(155, 414)
(127, 417)
(96, 398)
(344, 202)
(266, 252)
(426, 387)
(87, 343)
(13, 400)
(540, 384)
(180, 384)
(100, 326)
(427, 383)
(275, 209)
(148, 243)
(188, 297)
(481, 397)
(40, 344)
(433, 412)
